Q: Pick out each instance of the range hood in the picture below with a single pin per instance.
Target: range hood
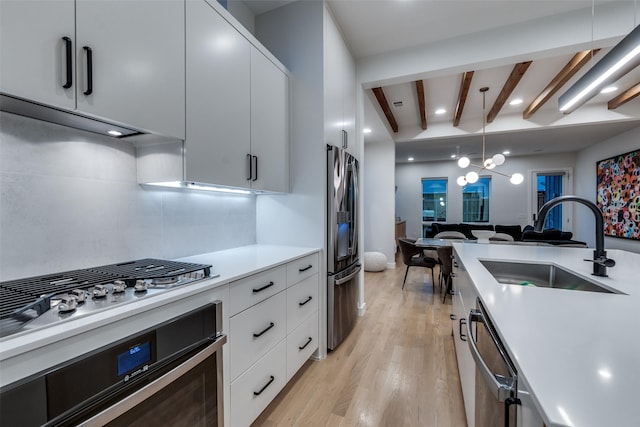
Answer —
(34, 110)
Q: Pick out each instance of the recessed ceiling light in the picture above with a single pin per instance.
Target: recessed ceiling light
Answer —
(516, 101)
(366, 130)
(609, 89)
(410, 159)
(441, 111)
(114, 133)
(506, 152)
(453, 156)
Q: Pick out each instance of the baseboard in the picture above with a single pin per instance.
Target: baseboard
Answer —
(391, 265)
(362, 308)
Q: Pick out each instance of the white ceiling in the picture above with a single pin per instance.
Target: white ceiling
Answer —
(375, 28)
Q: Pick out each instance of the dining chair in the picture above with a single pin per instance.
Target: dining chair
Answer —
(502, 237)
(446, 268)
(412, 256)
(450, 235)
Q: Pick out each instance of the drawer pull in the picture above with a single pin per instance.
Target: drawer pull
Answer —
(259, 334)
(300, 270)
(306, 301)
(270, 284)
(306, 344)
(258, 393)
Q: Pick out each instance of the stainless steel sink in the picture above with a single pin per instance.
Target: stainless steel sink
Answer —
(542, 275)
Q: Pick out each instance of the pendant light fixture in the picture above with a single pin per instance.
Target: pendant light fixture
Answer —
(487, 164)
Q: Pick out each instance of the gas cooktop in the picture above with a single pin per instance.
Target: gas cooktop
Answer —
(37, 301)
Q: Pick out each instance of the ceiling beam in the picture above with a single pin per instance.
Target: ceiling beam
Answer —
(462, 96)
(421, 104)
(382, 100)
(572, 67)
(624, 97)
(514, 78)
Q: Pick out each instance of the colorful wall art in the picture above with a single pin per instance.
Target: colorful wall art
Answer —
(619, 194)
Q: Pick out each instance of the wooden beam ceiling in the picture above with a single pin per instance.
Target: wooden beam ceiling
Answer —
(624, 97)
(382, 100)
(572, 67)
(462, 96)
(421, 104)
(514, 78)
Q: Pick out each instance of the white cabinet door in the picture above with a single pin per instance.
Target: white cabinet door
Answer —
(218, 99)
(333, 81)
(33, 62)
(269, 124)
(349, 100)
(137, 50)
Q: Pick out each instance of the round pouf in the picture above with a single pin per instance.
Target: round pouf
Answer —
(374, 261)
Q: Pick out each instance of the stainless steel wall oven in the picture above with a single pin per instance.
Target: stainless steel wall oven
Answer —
(169, 375)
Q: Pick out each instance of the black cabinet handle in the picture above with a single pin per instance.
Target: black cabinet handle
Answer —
(452, 316)
(300, 270)
(305, 302)
(461, 323)
(89, 90)
(259, 334)
(507, 406)
(345, 139)
(270, 284)
(69, 64)
(255, 168)
(250, 167)
(306, 344)
(258, 393)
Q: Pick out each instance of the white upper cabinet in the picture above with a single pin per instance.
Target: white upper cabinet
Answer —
(34, 36)
(269, 125)
(237, 107)
(340, 89)
(137, 50)
(137, 59)
(218, 99)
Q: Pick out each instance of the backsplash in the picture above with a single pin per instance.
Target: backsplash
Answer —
(69, 199)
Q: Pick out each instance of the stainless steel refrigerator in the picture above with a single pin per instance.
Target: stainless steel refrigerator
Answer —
(343, 266)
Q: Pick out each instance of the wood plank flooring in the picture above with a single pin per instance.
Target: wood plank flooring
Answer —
(397, 367)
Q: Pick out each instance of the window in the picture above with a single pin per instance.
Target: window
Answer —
(434, 199)
(475, 201)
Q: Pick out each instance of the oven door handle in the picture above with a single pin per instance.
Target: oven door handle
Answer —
(501, 387)
(154, 387)
(349, 277)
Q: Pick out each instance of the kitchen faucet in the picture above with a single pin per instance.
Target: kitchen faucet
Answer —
(600, 260)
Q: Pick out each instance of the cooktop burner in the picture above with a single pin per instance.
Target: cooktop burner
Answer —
(35, 301)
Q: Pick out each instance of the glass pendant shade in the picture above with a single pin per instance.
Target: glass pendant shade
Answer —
(472, 177)
(489, 164)
(462, 181)
(498, 159)
(464, 162)
(516, 178)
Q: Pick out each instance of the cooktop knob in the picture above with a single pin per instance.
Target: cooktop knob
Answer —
(67, 303)
(119, 286)
(79, 294)
(99, 291)
(141, 286)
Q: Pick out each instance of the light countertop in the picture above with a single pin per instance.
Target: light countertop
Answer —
(31, 351)
(578, 351)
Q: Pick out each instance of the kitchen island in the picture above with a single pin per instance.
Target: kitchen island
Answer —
(576, 350)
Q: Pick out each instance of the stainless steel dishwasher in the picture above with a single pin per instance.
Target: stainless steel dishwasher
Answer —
(496, 377)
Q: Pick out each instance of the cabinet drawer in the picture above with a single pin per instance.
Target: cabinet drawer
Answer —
(253, 289)
(302, 268)
(245, 404)
(301, 343)
(254, 332)
(302, 300)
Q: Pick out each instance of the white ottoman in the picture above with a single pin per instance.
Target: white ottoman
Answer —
(374, 261)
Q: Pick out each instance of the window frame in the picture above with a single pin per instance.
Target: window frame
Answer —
(486, 201)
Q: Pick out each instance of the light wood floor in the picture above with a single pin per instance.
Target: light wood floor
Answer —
(397, 367)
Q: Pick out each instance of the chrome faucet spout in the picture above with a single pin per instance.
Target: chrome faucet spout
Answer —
(600, 260)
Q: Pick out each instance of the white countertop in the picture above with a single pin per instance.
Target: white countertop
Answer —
(579, 351)
(20, 354)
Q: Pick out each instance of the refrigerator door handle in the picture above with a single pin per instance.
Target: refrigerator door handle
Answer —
(348, 278)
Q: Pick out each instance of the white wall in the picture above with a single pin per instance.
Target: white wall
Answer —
(379, 209)
(586, 185)
(510, 203)
(69, 199)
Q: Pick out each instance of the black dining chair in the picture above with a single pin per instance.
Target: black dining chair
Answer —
(412, 256)
(446, 268)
